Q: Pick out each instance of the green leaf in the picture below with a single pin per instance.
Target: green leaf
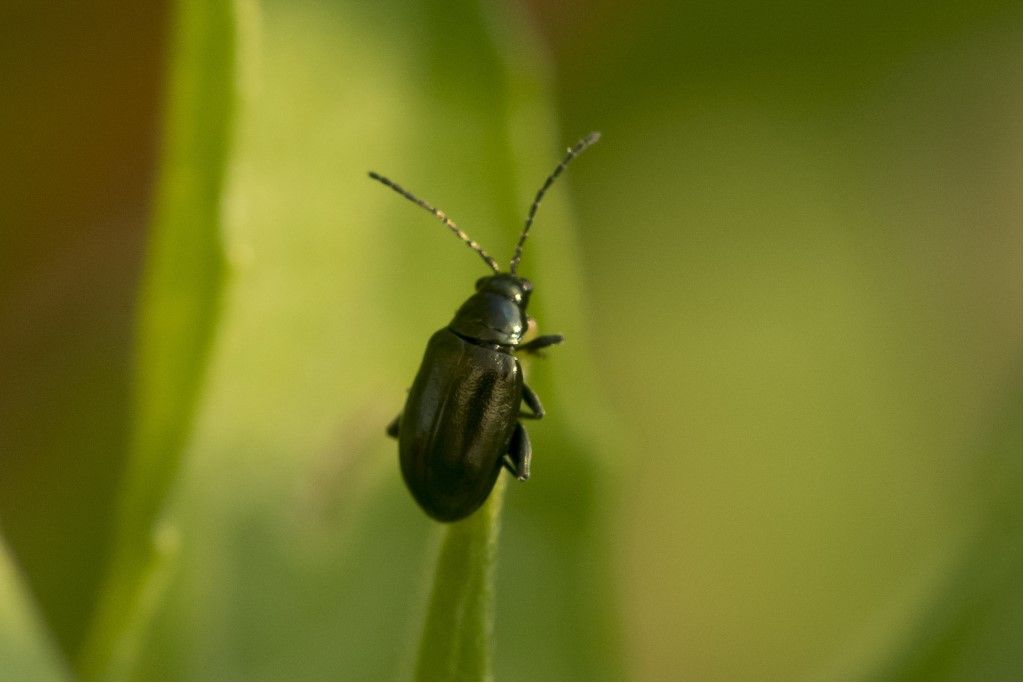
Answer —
(178, 309)
(457, 638)
(25, 651)
(100, 373)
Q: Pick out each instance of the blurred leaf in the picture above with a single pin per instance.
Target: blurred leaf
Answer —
(302, 554)
(78, 133)
(178, 308)
(25, 652)
(969, 627)
(458, 634)
(805, 241)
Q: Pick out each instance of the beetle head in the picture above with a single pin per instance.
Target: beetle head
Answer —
(512, 287)
(496, 313)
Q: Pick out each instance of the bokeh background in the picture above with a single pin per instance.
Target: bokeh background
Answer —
(784, 433)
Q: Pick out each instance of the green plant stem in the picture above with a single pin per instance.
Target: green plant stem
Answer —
(457, 634)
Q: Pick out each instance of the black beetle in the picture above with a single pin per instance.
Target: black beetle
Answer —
(461, 422)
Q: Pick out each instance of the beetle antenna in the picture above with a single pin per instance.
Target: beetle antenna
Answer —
(571, 154)
(441, 216)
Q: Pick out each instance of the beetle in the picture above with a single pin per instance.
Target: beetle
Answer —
(461, 421)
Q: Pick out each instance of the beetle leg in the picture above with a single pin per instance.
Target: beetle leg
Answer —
(519, 451)
(393, 427)
(541, 342)
(533, 403)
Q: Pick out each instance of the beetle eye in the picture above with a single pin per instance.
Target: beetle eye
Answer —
(526, 286)
(480, 283)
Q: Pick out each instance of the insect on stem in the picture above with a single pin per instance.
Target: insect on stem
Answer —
(462, 421)
(441, 216)
(571, 154)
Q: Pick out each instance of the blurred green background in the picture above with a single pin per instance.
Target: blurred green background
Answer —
(783, 436)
